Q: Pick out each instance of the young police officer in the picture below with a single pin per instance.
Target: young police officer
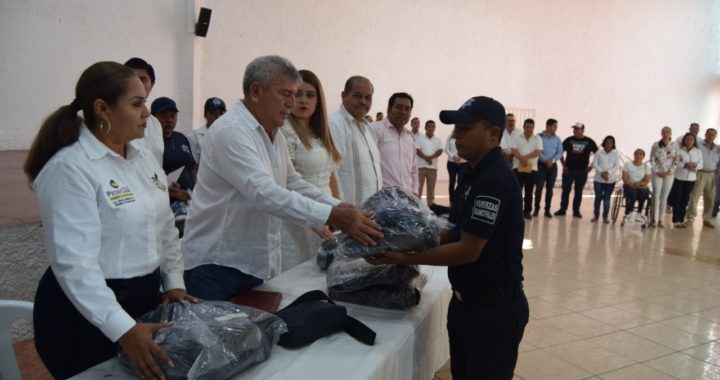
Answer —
(488, 311)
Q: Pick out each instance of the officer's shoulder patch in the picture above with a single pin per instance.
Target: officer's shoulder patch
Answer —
(485, 209)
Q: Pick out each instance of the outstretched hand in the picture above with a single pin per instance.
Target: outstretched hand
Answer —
(355, 223)
(178, 295)
(142, 351)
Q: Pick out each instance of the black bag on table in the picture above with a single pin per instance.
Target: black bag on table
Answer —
(314, 315)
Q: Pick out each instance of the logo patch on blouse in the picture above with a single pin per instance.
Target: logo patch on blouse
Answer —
(485, 209)
(120, 195)
(160, 185)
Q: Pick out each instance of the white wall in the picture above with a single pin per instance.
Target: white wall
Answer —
(622, 67)
(47, 44)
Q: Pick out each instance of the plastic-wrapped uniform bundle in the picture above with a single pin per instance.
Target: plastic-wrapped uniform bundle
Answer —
(385, 286)
(407, 224)
(212, 339)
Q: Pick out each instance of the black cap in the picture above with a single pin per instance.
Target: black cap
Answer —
(162, 104)
(479, 108)
(213, 104)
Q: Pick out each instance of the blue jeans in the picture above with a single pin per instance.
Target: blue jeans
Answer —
(218, 283)
(603, 191)
(570, 177)
(545, 178)
(631, 195)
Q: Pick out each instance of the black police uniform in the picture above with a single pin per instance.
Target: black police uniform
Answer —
(488, 311)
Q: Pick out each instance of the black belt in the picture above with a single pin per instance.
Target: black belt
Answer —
(489, 295)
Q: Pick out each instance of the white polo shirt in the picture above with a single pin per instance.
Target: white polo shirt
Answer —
(428, 146)
(106, 217)
(526, 145)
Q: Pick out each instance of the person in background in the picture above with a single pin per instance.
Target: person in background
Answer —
(153, 138)
(379, 116)
(359, 174)
(547, 166)
(369, 118)
(488, 311)
(415, 127)
(247, 185)
(688, 161)
(398, 158)
(607, 165)
(636, 178)
(177, 154)
(113, 248)
(576, 166)
(526, 148)
(705, 184)
(429, 148)
(214, 108)
(508, 135)
(663, 156)
(456, 166)
(315, 158)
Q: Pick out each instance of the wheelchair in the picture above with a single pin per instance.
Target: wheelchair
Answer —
(618, 208)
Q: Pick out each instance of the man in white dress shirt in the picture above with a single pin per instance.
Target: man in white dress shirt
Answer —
(415, 128)
(706, 181)
(526, 148)
(429, 148)
(247, 184)
(508, 134)
(153, 138)
(359, 175)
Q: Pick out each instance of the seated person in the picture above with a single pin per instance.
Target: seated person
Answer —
(636, 177)
(177, 153)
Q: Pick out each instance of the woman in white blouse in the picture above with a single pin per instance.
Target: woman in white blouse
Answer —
(636, 177)
(109, 232)
(689, 160)
(315, 158)
(663, 156)
(606, 163)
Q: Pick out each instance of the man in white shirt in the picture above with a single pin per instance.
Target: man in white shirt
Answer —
(429, 148)
(214, 108)
(359, 175)
(508, 134)
(526, 148)
(247, 184)
(415, 127)
(705, 183)
(694, 129)
(153, 139)
(396, 144)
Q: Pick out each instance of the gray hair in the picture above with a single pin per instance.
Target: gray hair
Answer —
(263, 70)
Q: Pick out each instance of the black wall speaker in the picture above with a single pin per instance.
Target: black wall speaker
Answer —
(201, 28)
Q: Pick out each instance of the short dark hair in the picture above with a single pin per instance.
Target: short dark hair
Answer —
(509, 114)
(428, 122)
(351, 81)
(141, 64)
(399, 95)
(529, 121)
(550, 122)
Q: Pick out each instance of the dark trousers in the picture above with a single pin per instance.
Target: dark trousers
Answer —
(578, 178)
(66, 342)
(456, 172)
(603, 191)
(218, 283)
(485, 335)
(632, 195)
(546, 178)
(680, 194)
(527, 182)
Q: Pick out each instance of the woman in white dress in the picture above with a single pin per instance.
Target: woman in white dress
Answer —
(315, 158)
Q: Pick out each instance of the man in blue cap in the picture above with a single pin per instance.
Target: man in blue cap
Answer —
(214, 108)
(177, 153)
(483, 251)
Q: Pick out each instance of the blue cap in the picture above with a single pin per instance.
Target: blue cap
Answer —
(213, 104)
(479, 108)
(162, 104)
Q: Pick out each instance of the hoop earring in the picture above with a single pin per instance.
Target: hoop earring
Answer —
(102, 125)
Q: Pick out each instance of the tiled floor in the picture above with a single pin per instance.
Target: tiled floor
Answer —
(607, 302)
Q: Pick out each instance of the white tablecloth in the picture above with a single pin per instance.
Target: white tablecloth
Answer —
(409, 345)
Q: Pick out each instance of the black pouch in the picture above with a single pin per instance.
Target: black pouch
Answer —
(314, 315)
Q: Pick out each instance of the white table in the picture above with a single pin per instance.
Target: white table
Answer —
(409, 345)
